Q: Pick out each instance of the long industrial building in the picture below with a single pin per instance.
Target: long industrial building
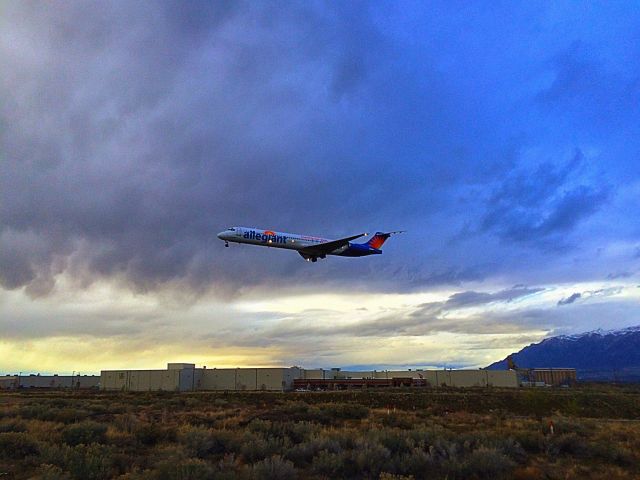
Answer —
(186, 377)
(11, 382)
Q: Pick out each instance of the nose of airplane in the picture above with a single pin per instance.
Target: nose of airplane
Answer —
(221, 235)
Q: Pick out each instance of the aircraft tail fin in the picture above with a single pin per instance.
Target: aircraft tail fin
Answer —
(379, 238)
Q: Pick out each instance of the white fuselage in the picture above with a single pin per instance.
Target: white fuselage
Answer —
(269, 238)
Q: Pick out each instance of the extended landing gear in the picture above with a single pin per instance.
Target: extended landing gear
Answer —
(311, 258)
(226, 244)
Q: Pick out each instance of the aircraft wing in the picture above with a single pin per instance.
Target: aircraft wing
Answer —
(328, 247)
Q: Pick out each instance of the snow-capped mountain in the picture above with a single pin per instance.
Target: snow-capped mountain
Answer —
(612, 355)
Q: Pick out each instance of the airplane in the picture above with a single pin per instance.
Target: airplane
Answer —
(310, 248)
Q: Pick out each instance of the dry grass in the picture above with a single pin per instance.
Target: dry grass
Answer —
(452, 434)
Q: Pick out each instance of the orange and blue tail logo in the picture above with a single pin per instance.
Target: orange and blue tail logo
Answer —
(378, 240)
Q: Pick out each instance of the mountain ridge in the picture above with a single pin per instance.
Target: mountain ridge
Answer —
(598, 355)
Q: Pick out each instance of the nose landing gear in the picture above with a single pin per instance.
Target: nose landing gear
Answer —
(226, 244)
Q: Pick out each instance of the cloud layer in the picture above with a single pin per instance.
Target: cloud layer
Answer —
(132, 133)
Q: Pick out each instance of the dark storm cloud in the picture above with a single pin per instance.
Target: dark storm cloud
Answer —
(613, 276)
(132, 132)
(576, 74)
(589, 88)
(140, 132)
(471, 298)
(604, 292)
(570, 299)
(536, 206)
(600, 293)
(450, 276)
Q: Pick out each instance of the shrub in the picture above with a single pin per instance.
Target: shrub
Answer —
(564, 425)
(166, 454)
(294, 431)
(89, 462)
(512, 449)
(16, 445)
(443, 450)
(41, 411)
(300, 412)
(391, 476)
(302, 454)
(202, 442)
(396, 442)
(119, 438)
(273, 468)
(416, 463)
(365, 459)
(299, 431)
(487, 463)
(424, 435)
(44, 431)
(193, 469)
(397, 420)
(370, 458)
(330, 464)
(256, 448)
(153, 433)
(53, 453)
(126, 422)
(611, 452)
(346, 411)
(197, 440)
(51, 472)
(296, 407)
(227, 467)
(531, 441)
(84, 432)
(260, 426)
(346, 439)
(13, 426)
(188, 469)
(570, 444)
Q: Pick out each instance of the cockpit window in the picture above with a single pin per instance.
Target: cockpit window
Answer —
(232, 229)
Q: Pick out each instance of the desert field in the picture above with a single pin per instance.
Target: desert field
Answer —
(587, 432)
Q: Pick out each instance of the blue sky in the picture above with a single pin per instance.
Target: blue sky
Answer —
(503, 137)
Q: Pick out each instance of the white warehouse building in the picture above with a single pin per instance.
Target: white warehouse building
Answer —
(185, 377)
